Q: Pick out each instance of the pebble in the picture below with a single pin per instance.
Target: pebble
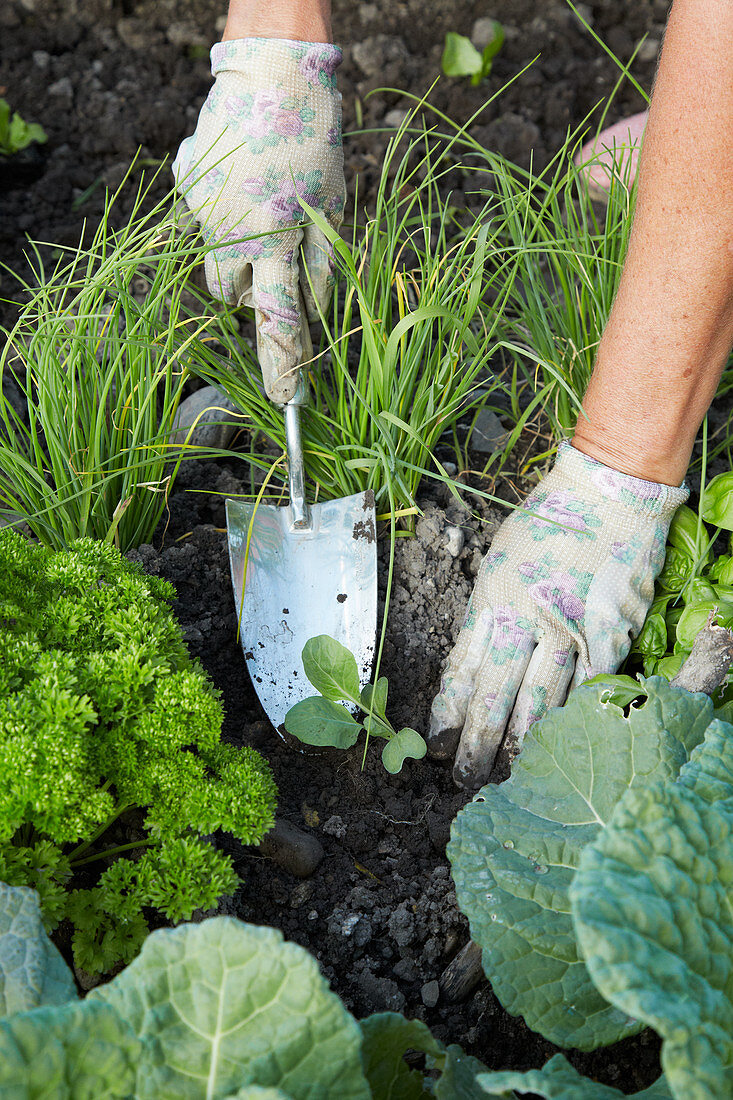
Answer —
(482, 32)
(186, 34)
(63, 91)
(292, 849)
(455, 537)
(585, 11)
(86, 980)
(430, 993)
(214, 415)
(349, 923)
(489, 434)
(335, 827)
(301, 894)
(395, 118)
(377, 51)
(649, 49)
(133, 33)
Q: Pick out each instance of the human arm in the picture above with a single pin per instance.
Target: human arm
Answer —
(557, 602)
(269, 135)
(304, 20)
(671, 327)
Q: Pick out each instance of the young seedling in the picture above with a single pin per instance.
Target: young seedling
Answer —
(324, 720)
(16, 133)
(461, 58)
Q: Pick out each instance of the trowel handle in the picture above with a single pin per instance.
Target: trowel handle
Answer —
(293, 442)
(296, 470)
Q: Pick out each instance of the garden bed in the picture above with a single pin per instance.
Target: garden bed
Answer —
(379, 912)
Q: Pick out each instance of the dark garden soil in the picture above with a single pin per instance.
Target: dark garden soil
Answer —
(105, 77)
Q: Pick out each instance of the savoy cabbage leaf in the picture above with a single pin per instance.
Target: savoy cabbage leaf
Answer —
(220, 1010)
(223, 1004)
(387, 1036)
(75, 1051)
(652, 904)
(558, 1080)
(256, 1092)
(32, 971)
(515, 849)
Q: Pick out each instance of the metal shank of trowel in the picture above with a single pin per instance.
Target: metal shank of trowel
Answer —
(294, 447)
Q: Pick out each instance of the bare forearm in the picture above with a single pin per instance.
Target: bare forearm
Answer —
(306, 20)
(671, 327)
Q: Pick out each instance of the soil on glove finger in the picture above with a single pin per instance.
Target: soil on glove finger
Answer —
(106, 77)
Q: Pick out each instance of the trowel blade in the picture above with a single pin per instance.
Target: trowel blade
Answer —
(299, 584)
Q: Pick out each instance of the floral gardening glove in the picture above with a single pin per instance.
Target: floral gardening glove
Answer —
(553, 605)
(268, 134)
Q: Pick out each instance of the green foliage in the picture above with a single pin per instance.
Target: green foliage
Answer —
(568, 265)
(32, 971)
(558, 1080)
(102, 712)
(16, 133)
(215, 1010)
(693, 586)
(461, 58)
(409, 344)
(322, 720)
(80, 1049)
(651, 901)
(98, 353)
(387, 1036)
(718, 502)
(515, 849)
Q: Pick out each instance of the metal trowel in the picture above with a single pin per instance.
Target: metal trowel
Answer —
(301, 570)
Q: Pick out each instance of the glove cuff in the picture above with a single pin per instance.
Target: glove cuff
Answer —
(645, 498)
(316, 62)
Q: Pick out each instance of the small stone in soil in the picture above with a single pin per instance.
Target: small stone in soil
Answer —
(455, 539)
(430, 993)
(292, 849)
(489, 434)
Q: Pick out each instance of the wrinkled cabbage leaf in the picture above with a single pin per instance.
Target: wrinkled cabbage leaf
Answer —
(515, 849)
(652, 903)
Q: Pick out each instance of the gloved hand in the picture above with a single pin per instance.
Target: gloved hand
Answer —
(553, 605)
(268, 133)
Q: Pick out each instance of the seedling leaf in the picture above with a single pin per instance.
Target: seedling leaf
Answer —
(374, 697)
(492, 47)
(460, 56)
(319, 721)
(331, 668)
(405, 743)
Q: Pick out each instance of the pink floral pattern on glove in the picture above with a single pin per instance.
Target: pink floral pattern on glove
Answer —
(566, 585)
(268, 139)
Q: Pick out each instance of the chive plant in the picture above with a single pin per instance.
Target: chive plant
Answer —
(408, 344)
(97, 352)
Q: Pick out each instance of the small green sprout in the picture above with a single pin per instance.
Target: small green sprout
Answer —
(16, 133)
(323, 720)
(461, 58)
